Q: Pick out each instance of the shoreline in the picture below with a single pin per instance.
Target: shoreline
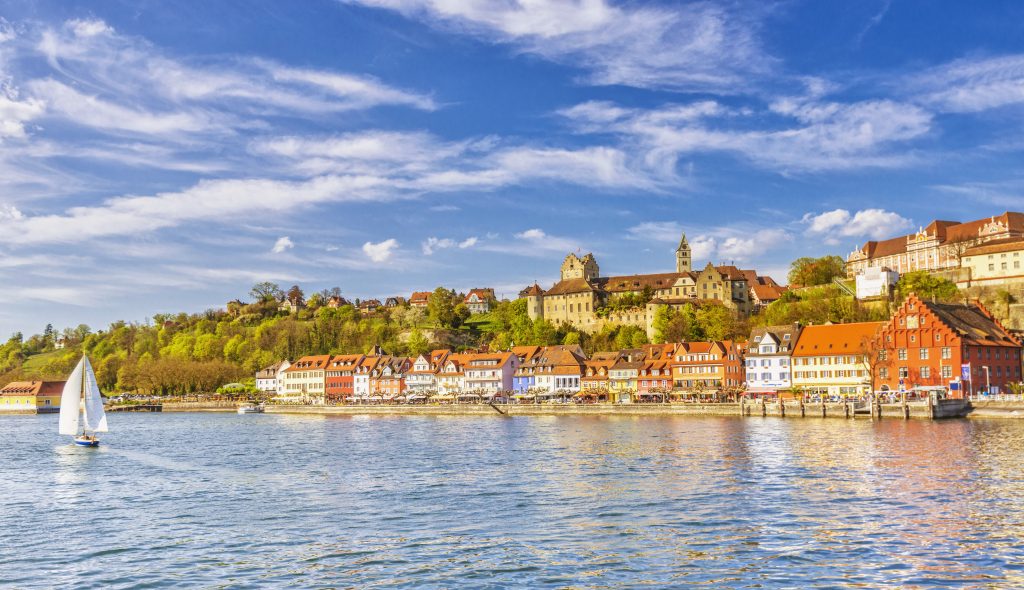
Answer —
(980, 409)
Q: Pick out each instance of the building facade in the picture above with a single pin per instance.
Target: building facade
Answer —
(304, 380)
(939, 246)
(270, 380)
(834, 360)
(928, 344)
(39, 397)
(586, 300)
(769, 360)
(997, 263)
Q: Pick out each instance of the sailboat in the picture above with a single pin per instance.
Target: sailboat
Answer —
(81, 385)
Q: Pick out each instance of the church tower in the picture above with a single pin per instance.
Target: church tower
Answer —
(683, 256)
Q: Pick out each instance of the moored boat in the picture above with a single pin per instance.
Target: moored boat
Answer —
(251, 409)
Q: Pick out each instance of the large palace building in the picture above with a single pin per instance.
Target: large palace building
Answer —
(586, 300)
(940, 246)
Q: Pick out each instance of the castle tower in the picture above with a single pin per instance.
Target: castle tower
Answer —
(683, 255)
(535, 302)
(574, 267)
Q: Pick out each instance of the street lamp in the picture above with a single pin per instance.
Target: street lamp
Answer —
(988, 384)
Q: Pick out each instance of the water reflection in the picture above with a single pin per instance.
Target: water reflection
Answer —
(434, 501)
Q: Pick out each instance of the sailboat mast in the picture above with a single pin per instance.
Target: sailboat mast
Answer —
(83, 401)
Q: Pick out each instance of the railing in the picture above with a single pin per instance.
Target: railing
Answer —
(1001, 397)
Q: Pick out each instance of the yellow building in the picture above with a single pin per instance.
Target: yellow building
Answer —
(832, 359)
(305, 381)
(995, 263)
(31, 396)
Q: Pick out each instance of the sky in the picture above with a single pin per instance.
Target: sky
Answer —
(159, 157)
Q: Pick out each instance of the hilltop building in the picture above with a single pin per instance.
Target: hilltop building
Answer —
(587, 300)
(939, 246)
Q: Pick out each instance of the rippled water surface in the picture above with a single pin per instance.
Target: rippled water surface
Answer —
(266, 501)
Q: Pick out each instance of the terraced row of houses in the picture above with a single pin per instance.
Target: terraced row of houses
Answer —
(962, 348)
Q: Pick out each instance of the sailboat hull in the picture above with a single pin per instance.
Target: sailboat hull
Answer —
(87, 442)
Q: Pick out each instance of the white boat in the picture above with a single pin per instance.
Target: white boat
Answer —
(251, 409)
(81, 405)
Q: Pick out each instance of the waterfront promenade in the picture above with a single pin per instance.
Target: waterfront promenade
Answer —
(747, 408)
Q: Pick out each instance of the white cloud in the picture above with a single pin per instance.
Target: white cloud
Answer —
(877, 224)
(972, 84)
(821, 135)
(381, 251)
(211, 200)
(431, 245)
(10, 212)
(89, 27)
(658, 231)
(716, 244)
(698, 46)
(283, 243)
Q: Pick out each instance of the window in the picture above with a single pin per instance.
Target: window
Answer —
(903, 372)
(924, 354)
(926, 372)
(882, 355)
(902, 354)
(947, 371)
(947, 353)
(883, 373)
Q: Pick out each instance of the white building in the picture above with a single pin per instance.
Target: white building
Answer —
(361, 376)
(490, 373)
(270, 380)
(875, 282)
(423, 376)
(769, 358)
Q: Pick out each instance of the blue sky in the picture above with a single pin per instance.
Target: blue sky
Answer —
(164, 156)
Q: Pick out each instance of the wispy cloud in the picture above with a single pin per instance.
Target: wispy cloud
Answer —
(215, 200)
(692, 47)
(811, 135)
(972, 84)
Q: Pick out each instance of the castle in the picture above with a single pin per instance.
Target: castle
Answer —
(586, 300)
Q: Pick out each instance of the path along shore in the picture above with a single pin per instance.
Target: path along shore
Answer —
(792, 409)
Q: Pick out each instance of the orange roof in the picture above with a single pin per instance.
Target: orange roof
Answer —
(308, 363)
(534, 290)
(836, 339)
(46, 388)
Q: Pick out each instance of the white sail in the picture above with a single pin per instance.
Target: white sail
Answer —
(70, 400)
(95, 417)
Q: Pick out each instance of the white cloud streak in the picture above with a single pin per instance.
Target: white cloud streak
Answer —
(282, 244)
(694, 47)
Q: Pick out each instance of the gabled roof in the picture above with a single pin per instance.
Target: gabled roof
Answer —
(270, 372)
(533, 290)
(777, 334)
(481, 294)
(972, 323)
(309, 363)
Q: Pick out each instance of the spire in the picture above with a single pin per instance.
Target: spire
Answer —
(683, 244)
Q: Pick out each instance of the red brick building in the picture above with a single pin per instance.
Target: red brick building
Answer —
(339, 379)
(934, 344)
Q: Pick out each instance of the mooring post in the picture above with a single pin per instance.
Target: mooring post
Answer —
(803, 413)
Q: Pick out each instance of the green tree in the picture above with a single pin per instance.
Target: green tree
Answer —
(266, 291)
(1005, 297)
(808, 271)
(926, 286)
(440, 307)
(418, 343)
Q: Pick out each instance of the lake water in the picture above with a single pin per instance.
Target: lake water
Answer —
(267, 501)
